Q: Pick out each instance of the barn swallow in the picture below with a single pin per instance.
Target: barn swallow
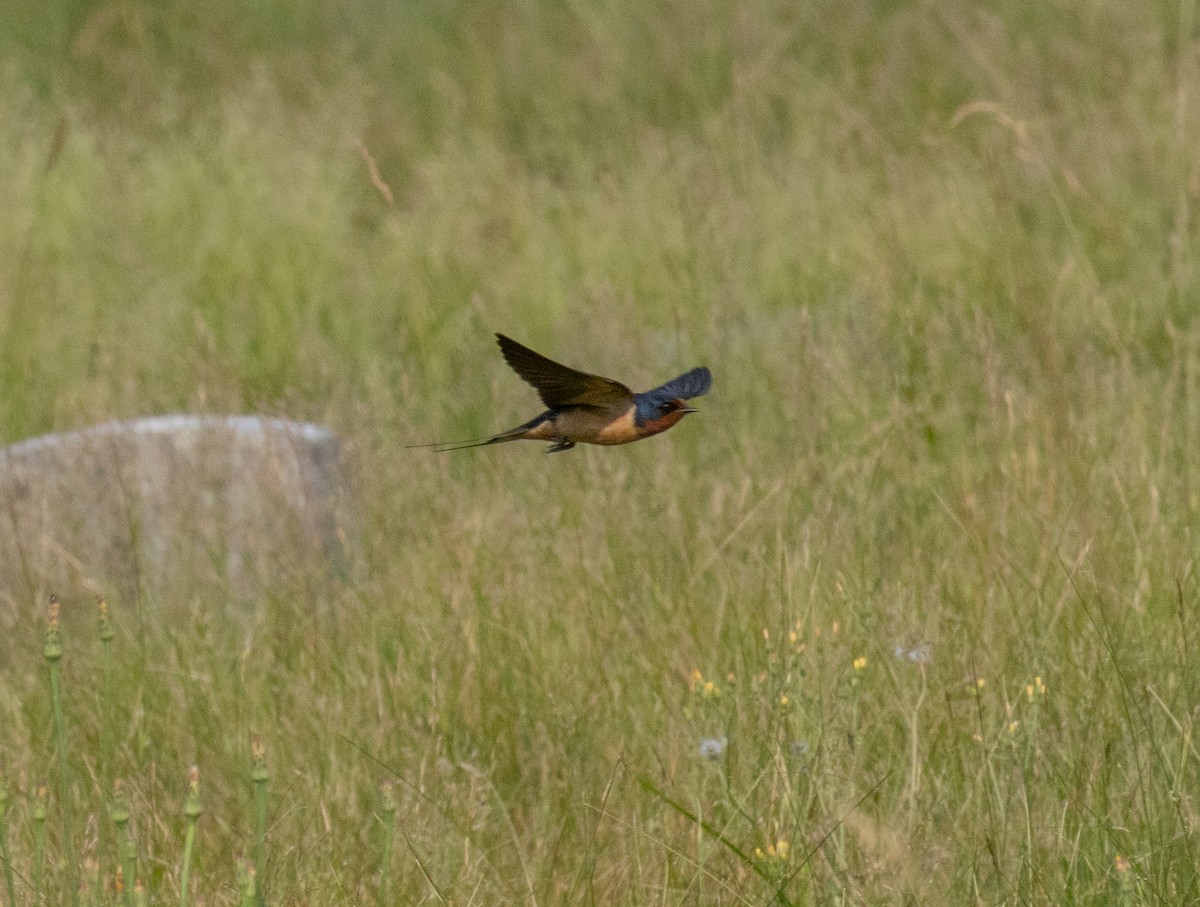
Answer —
(588, 409)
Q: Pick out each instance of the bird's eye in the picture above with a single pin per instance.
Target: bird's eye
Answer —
(667, 407)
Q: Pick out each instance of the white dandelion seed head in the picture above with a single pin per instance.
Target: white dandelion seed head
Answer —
(918, 654)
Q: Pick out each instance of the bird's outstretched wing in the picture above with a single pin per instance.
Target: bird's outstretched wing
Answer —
(695, 383)
(559, 385)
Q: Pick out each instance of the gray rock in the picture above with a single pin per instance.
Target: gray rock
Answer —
(160, 505)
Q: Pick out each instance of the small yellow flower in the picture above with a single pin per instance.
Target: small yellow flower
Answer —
(836, 628)
(1037, 688)
(980, 683)
(1122, 864)
(860, 662)
(1012, 726)
(777, 851)
(710, 689)
(793, 637)
(697, 677)
(783, 700)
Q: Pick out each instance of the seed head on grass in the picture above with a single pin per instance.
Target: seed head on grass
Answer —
(106, 628)
(258, 760)
(53, 650)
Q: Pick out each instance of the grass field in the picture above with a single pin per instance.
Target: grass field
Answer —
(905, 615)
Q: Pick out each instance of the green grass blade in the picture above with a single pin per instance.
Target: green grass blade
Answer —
(5, 856)
(259, 775)
(387, 805)
(192, 810)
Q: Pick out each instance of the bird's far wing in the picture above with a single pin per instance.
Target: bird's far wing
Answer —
(558, 385)
(695, 383)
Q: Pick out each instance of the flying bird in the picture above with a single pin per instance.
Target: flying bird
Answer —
(588, 409)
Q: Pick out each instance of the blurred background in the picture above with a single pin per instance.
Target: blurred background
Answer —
(941, 259)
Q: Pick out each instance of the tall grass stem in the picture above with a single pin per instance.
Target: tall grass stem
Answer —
(388, 805)
(40, 809)
(247, 879)
(126, 851)
(53, 652)
(259, 775)
(192, 810)
(106, 637)
(5, 856)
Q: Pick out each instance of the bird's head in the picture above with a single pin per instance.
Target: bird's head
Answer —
(659, 415)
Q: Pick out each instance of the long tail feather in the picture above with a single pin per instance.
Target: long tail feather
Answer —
(513, 434)
(443, 446)
(467, 445)
(431, 444)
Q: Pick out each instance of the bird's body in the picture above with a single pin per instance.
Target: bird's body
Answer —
(589, 409)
